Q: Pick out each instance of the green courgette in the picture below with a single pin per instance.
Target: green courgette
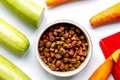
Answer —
(9, 71)
(25, 9)
(12, 38)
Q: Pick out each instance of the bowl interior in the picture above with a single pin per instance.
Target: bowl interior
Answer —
(68, 73)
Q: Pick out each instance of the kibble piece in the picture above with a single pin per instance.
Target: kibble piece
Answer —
(66, 55)
(66, 35)
(42, 54)
(41, 49)
(61, 34)
(45, 36)
(45, 41)
(49, 59)
(71, 32)
(82, 37)
(70, 35)
(85, 53)
(59, 46)
(58, 63)
(50, 34)
(49, 64)
(61, 42)
(80, 52)
(65, 45)
(56, 51)
(74, 43)
(65, 60)
(47, 54)
(44, 60)
(79, 43)
(76, 65)
(54, 61)
(52, 49)
(48, 44)
(72, 28)
(78, 62)
(70, 65)
(62, 28)
(41, 43)
(84, 47)
(57, 42)
(53, 45)
(78, 30)
(75, 38)
(86, 44)
(58, 56)
(52, 55)
(55, 33)
(46, 50)
(53, 67)
(52, 38)
(71, 53)
(69, 46)
(66, 67)
(72, 68)
(73, 61)
(62, 51)
(62, 66)
(68, 41)
(62, 38)
(57, 69)
(75, 35)
(69, 60)
(82, 58)
(78, 58)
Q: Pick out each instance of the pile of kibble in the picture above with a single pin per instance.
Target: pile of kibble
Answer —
(63, 47)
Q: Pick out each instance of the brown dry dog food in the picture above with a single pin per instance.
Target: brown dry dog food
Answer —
(63, 47)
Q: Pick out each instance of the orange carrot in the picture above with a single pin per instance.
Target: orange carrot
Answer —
(110, 14)
(55, 2)
(103, 72)
(115, 55)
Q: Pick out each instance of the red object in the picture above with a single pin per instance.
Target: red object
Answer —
(108, 46)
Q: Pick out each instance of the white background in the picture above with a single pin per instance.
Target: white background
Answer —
(80, 11)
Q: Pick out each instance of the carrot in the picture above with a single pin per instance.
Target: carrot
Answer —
(103, 72)
(110, 14)
(115, 55)
(55, 2)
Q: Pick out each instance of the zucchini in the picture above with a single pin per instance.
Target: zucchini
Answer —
(26, 10)
(12, 39)
(9, 71)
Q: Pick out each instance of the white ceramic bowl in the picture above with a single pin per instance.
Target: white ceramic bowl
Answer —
(69, 73)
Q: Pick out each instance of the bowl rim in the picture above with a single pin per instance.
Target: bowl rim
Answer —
(69, 73)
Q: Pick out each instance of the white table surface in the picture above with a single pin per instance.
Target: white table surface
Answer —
(80, 12)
